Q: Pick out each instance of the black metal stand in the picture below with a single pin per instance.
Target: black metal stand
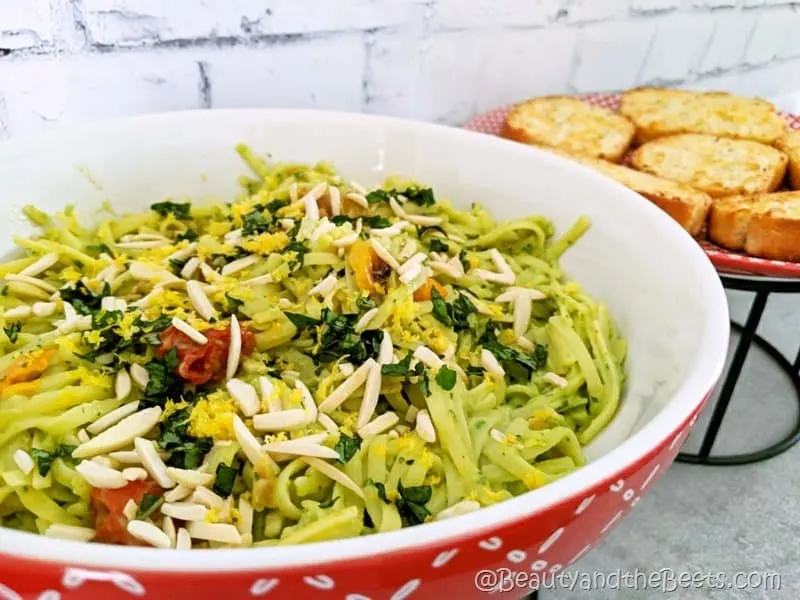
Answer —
(533, 596)
(762, 287)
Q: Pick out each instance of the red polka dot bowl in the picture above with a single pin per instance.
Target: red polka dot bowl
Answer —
(658, 284)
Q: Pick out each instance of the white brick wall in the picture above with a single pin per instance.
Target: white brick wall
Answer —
(74, 60)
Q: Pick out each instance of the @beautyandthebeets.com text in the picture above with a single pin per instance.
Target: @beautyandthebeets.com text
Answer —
(662, 580)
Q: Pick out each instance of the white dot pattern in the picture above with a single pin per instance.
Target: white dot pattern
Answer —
(726, 261)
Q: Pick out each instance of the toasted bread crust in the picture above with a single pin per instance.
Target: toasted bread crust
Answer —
(767, 225)
(790, 144)
(718, 166)
(571, 125)
(660, 112)
(687, 206)
(728, 220)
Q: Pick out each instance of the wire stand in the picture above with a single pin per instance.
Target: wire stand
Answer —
(762, 287)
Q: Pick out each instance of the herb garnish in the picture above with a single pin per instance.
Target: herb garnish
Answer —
(180, 210)
(186, 451)
(346, 447)
(225, 478)
(446, 378)
(44, 459)
(84, 300)
(12, 331)
(148, 506)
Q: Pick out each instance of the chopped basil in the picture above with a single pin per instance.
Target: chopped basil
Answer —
(187, 235)
(254, 222)
(425, 384)
(301, 321)
(517, 363)
(476, 371)
(186, 451)
(225, 478)
(440, 308)
(462, 256)
(84, 300)
(12, 331)
(379, 196)
(233, 304)
(276, 205)
(366, 303)
(163, 382)
(328, 503)
(438, 245)
(346, 447)
(420, 196)
(149, 504)
(446, 378)
(400, 369)
(377, 222)
(180, 210)
(44, 459)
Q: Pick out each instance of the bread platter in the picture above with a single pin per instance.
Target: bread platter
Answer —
(726, 168)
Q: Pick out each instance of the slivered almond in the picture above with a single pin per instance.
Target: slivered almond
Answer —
(142, 244)
(525, 343)
(190, 267)
(113, 417)
(324, 287)
(24, 461)
(209, 274)
(183, 253)
(239, 265)
(359, 199)
(522, 314)
(43, 309)
(284, 420)
(145, 272)
(179, 492)
(249, 443)
(184, 511)
(504, 275)
(328, 423)
(143, 237)
(555, 379)
(489, 362)
(260, 280)
(415, 260)
(245, 395)
(335, 474)
(69, 532)
(460, 508)
(513, 292)
(379, 424)
(183, 541)
(121, 434)
(308, 400)
(130, 509)
(215, 532)
(199, 300)
(168, 527)
(384, 254)
(386, 349)
(411, 413)
(245, 521)
(425, 428)
(268, 394)
(189, 331)
(345, 241)
(348, 386)
(365, 319)
(428, 357)
(372, 392)
(298, 448)
(140, 375)
(314, 194)
(189, 478)
(234, 348)
(153, 463)
(100, 476)
(134, 474)
(149, 533)
(293, 197)
(41, 265)
(206, 497)
(336, 200)
(391, 231)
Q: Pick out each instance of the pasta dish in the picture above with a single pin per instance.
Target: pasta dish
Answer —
(311, 361)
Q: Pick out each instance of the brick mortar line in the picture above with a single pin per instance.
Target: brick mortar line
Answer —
(264, 40)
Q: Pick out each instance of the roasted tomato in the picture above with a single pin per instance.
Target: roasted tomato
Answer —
(110, 524)
(424, 293)
(203, 363)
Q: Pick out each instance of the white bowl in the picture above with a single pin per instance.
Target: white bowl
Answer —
(656, 281)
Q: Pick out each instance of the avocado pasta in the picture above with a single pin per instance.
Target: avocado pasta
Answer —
(310, 361)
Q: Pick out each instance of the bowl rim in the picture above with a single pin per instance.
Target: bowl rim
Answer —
(697, 384)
